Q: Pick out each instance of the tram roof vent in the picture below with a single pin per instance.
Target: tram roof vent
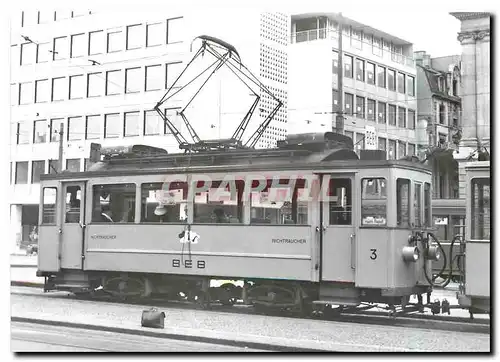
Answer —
(372, 155)
(134, 151)
(316, 141)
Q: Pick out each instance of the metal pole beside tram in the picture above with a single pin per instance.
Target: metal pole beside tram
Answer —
(61, 133)
(339, 119)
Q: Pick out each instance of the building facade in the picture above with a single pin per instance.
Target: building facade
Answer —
(474, 37)
(99, 75)
(439, 109)
(377, 97)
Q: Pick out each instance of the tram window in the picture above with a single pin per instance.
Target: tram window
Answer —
(280, 204)
(403, 202)
(427, 204)
(418, 204)
(220, 203)
(164, 202)
(340, 204)
(49, 205)
(73, 201)
(113, 203)
(374, 201)
(441, 223)
(481, 209)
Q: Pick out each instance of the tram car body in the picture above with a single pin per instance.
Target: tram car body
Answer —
(476, 294)
(351, 248)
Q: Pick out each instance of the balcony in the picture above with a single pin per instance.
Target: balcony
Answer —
(332, 34)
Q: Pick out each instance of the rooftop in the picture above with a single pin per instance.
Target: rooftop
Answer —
(355, 24)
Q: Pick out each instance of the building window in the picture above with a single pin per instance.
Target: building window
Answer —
(14, 55)
(55, 126)
(381, 76)
(370, 109)
(411, 119)
(360, 70)
(96, 42)
(40, 131)
(173, 70)
(391, 80)
(392, 149)
(173, 116)
(382, 144)
(401, 83)
(403, 202)
(25, 93)
(43, 53)
(23, 133)
(335, 100)
(133, 80)
(360, 107)
(37, 169)
(113, 82)
(112, 125)
(349, 134)
(78, 46)
(401, 117)
(349, 100)
(53, 167)
(382, 113)
(60, 50)
(73, 164)
(93, 127)
(135, 36)
(62, 14)
(132, 124)
(59, 89)
(411, 149)
(174, 30)
(28, 53)
(95, 86)
(401, 149)
(359, 144)
(117, 201)
(374, 201)
(335, 62)
(155, 34)
(442, 114)
(152, 123)
(42, 91)
(392, 115)
(14, 94)
(154, 77)
(115, 41)
(21, 173)
(410, 85)
(348, 61)
(370, 73)
(45, 17)
(76, 128)
(454, 87)
(76, 86)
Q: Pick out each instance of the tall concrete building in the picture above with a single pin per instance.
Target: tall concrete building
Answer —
(378, 76)
(100, 74)
(474, 37)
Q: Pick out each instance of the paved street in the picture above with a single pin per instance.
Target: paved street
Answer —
(26, 337)
(281, 331)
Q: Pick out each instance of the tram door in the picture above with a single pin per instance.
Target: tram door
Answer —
(338, 238)
(73, 225)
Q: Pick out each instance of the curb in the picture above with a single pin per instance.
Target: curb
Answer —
(183, 337)
(26, 284)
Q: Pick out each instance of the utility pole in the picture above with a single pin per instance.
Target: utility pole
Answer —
(61, 134)
(339, 119)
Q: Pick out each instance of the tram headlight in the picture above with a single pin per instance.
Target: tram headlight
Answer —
(433, 253)
(411, 254)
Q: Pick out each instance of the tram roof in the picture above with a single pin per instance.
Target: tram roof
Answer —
(246, 160)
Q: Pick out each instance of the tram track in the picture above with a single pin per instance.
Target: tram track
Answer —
(413, 320)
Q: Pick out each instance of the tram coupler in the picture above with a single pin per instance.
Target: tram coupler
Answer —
(445, 306)
(435, 307)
